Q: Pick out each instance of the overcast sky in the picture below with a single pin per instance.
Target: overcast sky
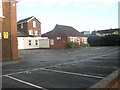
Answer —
(83, 15)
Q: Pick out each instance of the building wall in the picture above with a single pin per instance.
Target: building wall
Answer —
(38, 27)
(58, 43)
(24, 29)
(29, 26)
(30, 42)
(9, 25)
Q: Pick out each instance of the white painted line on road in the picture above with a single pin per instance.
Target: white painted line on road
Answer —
(57, 64)
(96, 66)
(72, 73)
(27, 83)
(79, 60)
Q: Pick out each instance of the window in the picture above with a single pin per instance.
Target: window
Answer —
(72, 40)
(30, 32)
(36, 42)
(1, 8)
(22, 25)
(29, 42)
(58, 38)
(34, 24)
(51, 42)
(36, 32)
(85, 40)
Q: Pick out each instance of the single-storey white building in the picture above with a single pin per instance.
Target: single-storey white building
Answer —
(33, 42)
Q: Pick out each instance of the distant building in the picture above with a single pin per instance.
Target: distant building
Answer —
(30, 27)
(61, 35)
(106, 32)
(87, 33)
(29, 34)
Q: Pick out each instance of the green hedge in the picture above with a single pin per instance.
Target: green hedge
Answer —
(108, 40)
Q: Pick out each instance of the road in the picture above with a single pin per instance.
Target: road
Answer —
(66, 68)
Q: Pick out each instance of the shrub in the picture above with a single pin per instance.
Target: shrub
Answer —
(108, 40)
(71, 45)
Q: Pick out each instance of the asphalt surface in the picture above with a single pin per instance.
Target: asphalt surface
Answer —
(68, 68)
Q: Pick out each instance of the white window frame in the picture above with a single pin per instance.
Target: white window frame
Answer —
(85, 40)
(51, 41)
(22, 25)
(72, 39)
(34, 24)
(30, 32)
(36, 32)
(1, 12)
(58, 38)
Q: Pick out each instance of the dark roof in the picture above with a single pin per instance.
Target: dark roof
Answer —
(61, 30)
(25, 20)
(21, 34)
(107, 31)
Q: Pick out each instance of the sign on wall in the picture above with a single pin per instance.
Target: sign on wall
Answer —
(5, 35)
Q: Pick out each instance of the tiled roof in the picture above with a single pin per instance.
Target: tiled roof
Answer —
(61, 30)
(25, 20)
(21, 34)
(107, 31)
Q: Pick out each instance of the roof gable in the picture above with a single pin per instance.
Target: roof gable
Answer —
(24, 20)
(61, 30)
(27, 20)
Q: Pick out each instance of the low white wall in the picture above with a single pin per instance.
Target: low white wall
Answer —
(20, 43)
(32, 42)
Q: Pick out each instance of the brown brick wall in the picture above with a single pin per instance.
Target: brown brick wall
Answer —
(59, 44)
(24, 29)
(9, 46)
(38, 26)
(29, 26)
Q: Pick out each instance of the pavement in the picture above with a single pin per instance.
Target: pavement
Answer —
(65, 68)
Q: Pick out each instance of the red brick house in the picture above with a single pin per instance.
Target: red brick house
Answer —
(61, 35)
(30, 26)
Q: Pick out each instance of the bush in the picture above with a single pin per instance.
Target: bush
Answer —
(108, 40)
(71, 45)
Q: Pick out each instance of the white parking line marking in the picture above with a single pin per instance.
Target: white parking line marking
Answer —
(58, 64)
(72, 73)
(21, 81)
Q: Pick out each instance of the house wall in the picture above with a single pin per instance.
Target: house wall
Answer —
(38, 26)
(9, 25)
(20, 43)
(24, 29)
(58, 44)
(62, 43)
(29, 26)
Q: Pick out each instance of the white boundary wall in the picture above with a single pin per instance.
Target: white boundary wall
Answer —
(33, 42)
